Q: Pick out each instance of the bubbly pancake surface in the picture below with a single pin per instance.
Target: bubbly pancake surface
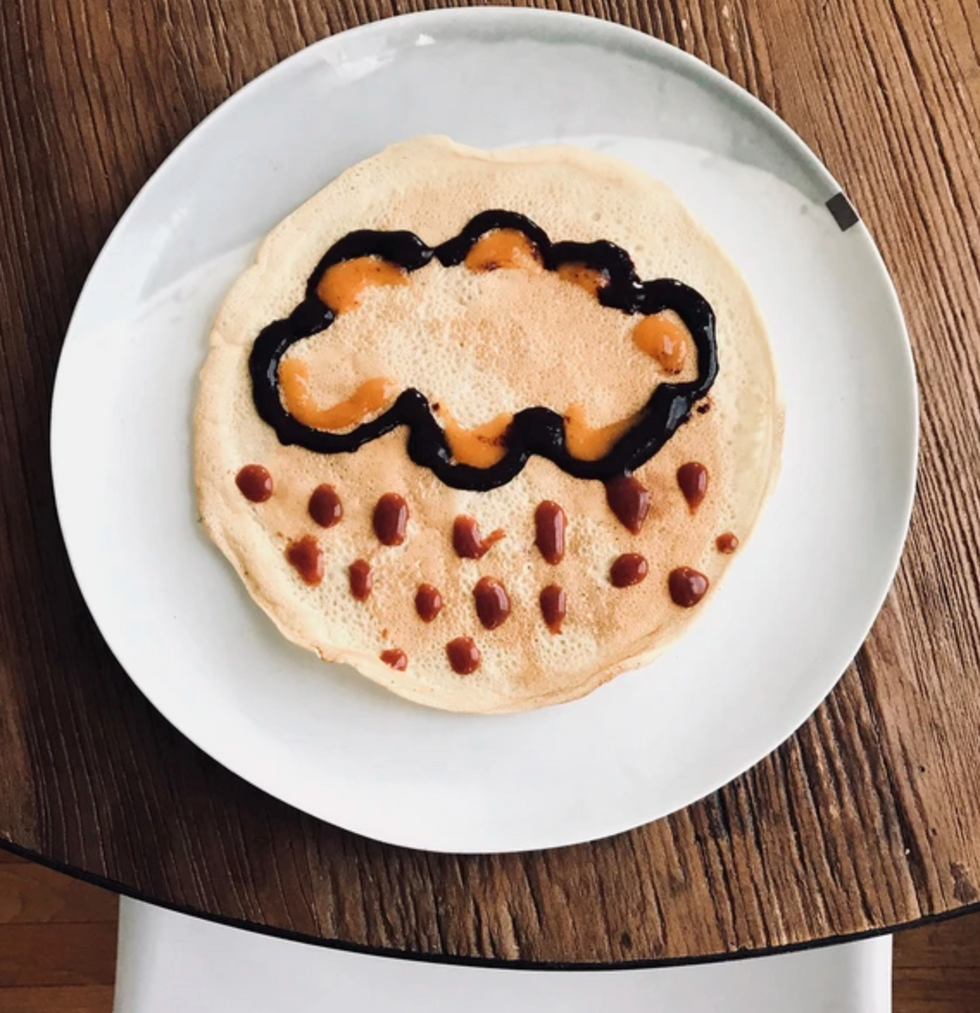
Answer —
(482, 345)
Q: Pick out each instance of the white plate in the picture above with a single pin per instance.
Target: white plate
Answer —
(792, 611)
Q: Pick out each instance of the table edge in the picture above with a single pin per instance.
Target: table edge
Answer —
(818, 942)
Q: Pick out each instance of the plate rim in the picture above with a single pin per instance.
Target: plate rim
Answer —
(602, 34)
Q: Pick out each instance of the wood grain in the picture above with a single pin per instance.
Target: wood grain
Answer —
(31, 895)
(57, 942)
(868, 817)
(937, 968)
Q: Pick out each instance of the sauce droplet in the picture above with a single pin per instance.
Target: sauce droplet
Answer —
(395, 658)
(391, 519)
(549, 524)
(492, 603)
(628, 569)
(693, 480)
(325, 506)
(553, 607)
(254, 483)
(726, 543)
(360, 579)
(629, 500)
(687, 587)
(464, 655)
(305, 557)
(467, 540)
(428, 602)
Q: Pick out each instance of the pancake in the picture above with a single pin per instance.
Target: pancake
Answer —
(528, 340)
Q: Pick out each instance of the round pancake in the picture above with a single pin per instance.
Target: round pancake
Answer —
(481, 345)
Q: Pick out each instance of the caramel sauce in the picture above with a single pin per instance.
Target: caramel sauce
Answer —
(553, 607)
(306, 558)
(628, 569)
(390, 519)
(464, 655)
(589, 278)
(726, 543)
(254, 483)
(588, 443)
(664, 337)
(483, 446)
(549, 525)
(343, 284)
(395, 658)
(467, 540)
(428, 602)
(693, 481)
(294, 386)
(492, 602)
(361, 579)
(629, 500)
(503, 248)
(687, 587)
(325, 506)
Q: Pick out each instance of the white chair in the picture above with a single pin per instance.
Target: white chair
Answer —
(170, 962)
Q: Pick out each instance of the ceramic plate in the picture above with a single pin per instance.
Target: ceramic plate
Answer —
(796, 603)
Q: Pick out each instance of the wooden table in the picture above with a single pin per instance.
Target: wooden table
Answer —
(868, 818)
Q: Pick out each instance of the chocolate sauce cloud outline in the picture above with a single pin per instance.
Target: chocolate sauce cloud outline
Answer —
(536, 430)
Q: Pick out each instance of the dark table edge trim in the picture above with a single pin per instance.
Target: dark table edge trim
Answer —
(495, 962)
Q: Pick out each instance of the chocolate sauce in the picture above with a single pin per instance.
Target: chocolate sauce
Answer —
(687, 587)
(254, 483)
(628, 569)
(360, 579)
(325, 506)
(629, 500)
(396, 658)
(726, 543)
(391, 519)
(693, 480)
(467, 540)
(306, 558)
(464, 655)
(492, 603)
(537, 430)
(428, 602)
(553, 606)
(549, 526)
